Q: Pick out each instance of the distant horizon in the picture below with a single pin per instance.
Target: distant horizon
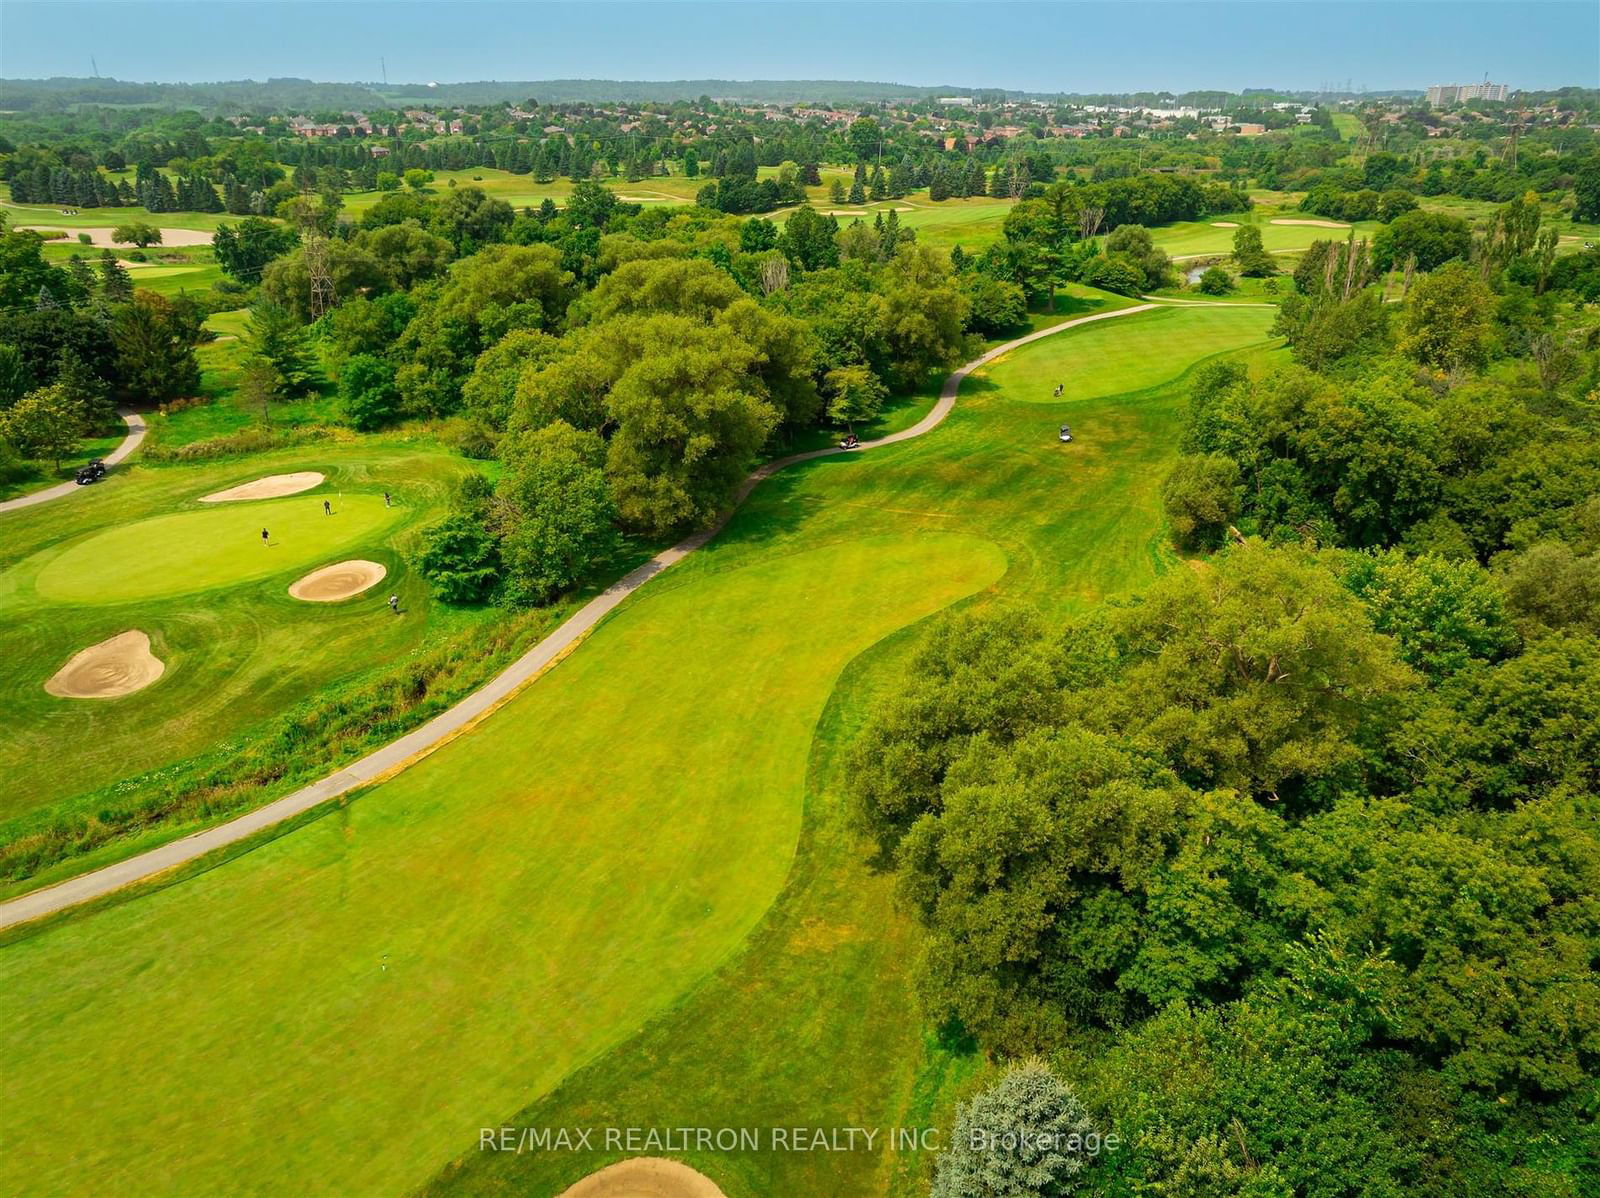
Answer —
(1050, 48)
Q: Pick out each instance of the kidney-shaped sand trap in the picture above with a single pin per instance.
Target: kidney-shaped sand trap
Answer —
(338, 581)
(270, 487)
(109, 670)
(1224, 224)
(645, 1177)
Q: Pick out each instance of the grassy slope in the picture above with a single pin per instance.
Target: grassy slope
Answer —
(236, 651)
(813, 1024)
(536, 890)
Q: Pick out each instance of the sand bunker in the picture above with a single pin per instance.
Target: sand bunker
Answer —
(101, 235)
(645, 1177)
(1224, 224)
(270, 487)
(109, 670)
(338, 581)
(1315, 224)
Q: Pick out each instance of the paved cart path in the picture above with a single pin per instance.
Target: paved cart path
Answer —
(136, 432)
(447, 724)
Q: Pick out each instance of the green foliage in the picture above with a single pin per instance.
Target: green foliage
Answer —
(554, 512)
(1586, 191)
(1214, 280)
(276, 340)
(1428, 239)
(244, 251)
(1443, 615)
(460, 557)
(1027, 1136)
(136, 233)
(1250, 255)
(367, 392)
(854, 393)
(1200, 499)
(808, 239)
(46, 423)
(1117, 274)
(1447, 320)
(155, 340)
(995, 307)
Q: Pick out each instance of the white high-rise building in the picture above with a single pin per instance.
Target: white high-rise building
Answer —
(1441, 95)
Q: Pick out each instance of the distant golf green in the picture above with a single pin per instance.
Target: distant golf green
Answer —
(194, 550)
(237, 648)
(1129, 354)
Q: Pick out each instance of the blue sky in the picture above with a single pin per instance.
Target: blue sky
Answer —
(1110, 45)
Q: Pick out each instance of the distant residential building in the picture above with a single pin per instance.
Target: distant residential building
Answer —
(1441, 95)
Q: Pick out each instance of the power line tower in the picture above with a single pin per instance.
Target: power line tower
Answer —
(323, 296)
(315, 245)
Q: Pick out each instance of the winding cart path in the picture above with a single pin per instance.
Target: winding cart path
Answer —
(398, 754)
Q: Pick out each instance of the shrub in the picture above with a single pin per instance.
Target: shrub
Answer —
(1216, 281)
(1115, 273)
(460, 558)
(1200, 497)
(366, 387)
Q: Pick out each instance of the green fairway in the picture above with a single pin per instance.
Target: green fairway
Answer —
(543, 886)
(818, 1008)
(1113, 356)
(216, 546)
(455, 942)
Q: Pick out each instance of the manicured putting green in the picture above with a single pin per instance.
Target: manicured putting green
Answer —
(190, 551)
(449, 946)
(1131, 354)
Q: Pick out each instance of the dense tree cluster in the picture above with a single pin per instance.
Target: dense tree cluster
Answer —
(1290, 860)
(74, 344)
(1313, 835)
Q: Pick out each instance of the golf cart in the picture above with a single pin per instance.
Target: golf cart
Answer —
(1065, 434)
(92, 473)
(851, 441)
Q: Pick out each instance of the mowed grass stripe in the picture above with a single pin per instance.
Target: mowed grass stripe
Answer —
(451, 945)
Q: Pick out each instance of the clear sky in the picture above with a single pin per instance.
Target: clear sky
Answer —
(1109, 45)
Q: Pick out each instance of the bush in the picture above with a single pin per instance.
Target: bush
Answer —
(1027, 1136)
(85, 239)
(996, 306)
(460, 558)
(1200, 497)
(1216, 281)
(366, 386)
(1116, 274)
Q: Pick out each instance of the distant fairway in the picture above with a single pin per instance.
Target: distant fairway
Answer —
(1118, 356)
(189, 551)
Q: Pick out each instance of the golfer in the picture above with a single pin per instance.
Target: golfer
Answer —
(394, 604)
(386, 499)
(263, 536)
(327, 508)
